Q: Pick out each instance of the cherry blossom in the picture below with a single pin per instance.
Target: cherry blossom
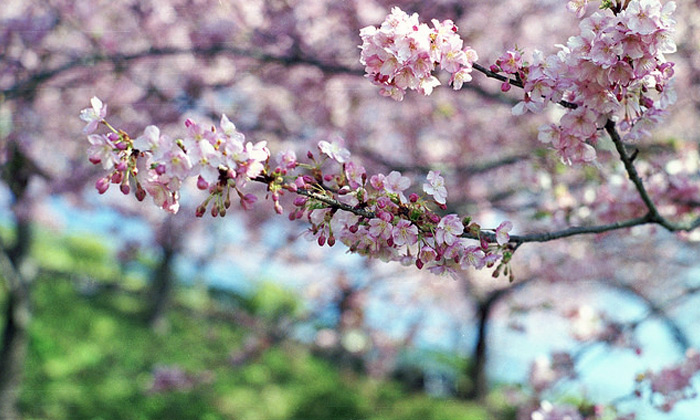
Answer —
(436, 187)
(93, 115)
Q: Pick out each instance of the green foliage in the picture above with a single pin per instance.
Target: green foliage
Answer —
(91, 357)
(81, 255)
(272, 302)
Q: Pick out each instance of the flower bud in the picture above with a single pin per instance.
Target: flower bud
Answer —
(321, 240)
(117, 177)
(140, 192)
(200, 210)
(331, 240)
(413, 197)
(125, 189)
(160, 169)
(102, 185)
(494, 68)
(121, 166)
(201, 183)
(505, 87)
(419, 263)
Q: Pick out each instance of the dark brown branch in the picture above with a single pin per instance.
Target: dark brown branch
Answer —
(654, 216)
(335, 204)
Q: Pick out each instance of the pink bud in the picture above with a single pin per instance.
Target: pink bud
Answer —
(189, 123)
(328, 178)
(292, 215)
(102, 185)
(494, 68)
(121, 166)
(331, 240)
(505, 87)
(300, 201)
(160, 169)
(201, 183)
(484, 243)
(299, 182)
(310, 155)
(413, 197)
(113, 137)
(200, 211)
(117, 177)
(94, 160)
(140, 192)
(321, 240)
(419, 263)
(278, 208)
(120, 145)
(214, 211)
(125, 189)
(353, 229)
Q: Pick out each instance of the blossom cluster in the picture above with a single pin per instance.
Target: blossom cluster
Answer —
(158, 164)
(615, 69)
(672, 384)
(374, 215)
(403, 53)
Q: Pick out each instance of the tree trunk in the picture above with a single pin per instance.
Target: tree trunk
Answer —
(15, 338)
(161, 290)
(15, 341)
(477, 370)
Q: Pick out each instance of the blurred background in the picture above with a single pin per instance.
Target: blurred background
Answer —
(113, 309)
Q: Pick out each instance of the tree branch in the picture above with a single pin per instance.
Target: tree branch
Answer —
(654, 216)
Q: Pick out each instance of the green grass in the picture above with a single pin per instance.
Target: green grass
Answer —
(92, 357)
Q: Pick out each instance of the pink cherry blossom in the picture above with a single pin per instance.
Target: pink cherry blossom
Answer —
(502, 230)
(436, 187)
(334, 150)
(449, 229)
(405, 233)
(102, 150)
(93, 115)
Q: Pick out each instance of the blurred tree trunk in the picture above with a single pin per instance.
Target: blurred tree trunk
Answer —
(161, 289)
(477, 369)
(17, 316)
